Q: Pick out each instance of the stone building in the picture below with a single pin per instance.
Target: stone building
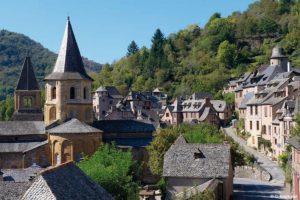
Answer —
(105, 100)
(22, 144)
(295, 143)
(27, 95)
(68, 87)
(190, 168)
(72, 140)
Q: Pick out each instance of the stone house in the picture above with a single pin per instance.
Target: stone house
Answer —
(187, 166)
(105, 99)
(295, 143)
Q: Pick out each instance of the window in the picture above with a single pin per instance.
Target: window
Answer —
(85, 93)
(167, 114)
(72, 93)
(103, 112)
(251, 111)
(266, 111)
(269, 129)
(53, 93)
(256, 110)
(27, 102)
(52, 113)
(257, 125)
(250, 125)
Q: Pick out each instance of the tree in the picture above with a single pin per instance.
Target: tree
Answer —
(227, 54)
(114, 170)
(132, 48)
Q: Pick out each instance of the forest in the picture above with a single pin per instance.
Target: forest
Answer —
(204, 58)
(197, 58)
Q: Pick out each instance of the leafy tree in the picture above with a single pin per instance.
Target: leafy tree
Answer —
(113, 169)
(227, 54)
(132, 48)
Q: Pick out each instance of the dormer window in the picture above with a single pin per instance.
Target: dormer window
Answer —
(85, 93)
(199, 154)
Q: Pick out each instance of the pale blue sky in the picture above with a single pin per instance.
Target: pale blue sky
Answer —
(104, 29)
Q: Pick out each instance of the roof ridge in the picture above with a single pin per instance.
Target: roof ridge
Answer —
(55, 168)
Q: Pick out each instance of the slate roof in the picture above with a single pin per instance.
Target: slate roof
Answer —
(131, 142)
(65, 181)
(112, 91)
(218, 105)
(20, 147)
(20, 175)
(69, 64)
(295, 142)
(180, 160)
(245, 100)
(73, 126)
(201, 95)
(123, 126)
(10, 190)
(22, 128)
(27, 79)
(277, 52)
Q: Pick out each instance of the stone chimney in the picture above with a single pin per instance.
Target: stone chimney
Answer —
(207, 100)
(1, 176)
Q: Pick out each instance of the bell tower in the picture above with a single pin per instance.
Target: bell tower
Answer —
(27, 95)
(68, 87)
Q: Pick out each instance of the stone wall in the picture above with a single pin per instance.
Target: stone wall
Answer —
(254, 172)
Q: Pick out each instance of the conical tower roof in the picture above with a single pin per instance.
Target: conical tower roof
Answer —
(69, 60)
(27, 79)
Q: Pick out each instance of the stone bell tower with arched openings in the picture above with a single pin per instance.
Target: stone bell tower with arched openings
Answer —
(68, 87)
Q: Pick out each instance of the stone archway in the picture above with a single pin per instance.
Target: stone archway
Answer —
(66, 150)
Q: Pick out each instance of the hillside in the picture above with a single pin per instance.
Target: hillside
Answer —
(204, 59)
(13, 48)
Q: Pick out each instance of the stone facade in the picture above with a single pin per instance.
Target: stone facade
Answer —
(67, 99)
(72, 147)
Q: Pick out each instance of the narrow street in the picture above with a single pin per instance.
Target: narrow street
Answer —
(253, 189)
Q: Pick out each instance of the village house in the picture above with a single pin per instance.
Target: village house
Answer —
(190, 168)
(197, 108)
(295, 143)
(105, 100)
(262, 99)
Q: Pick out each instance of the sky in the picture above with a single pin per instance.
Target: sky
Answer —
(104, 28)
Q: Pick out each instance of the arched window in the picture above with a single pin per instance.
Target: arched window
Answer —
(53, 93)
(85, 91)
(72, 93)
(52, 114)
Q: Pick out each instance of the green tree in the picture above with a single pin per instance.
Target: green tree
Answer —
(132, 48)
(113, 170)
(227, 54)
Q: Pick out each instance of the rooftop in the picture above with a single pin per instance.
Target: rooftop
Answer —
(22, 128)
(65, 181)
(27, 79)
(69, 63)
(196, 160)
(73, 126)
(123, 126)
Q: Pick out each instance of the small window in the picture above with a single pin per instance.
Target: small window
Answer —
(257, 125)
(167, 114)
(53, 93)
(85, 93)
(72, 93)
(103, 112)
(250, 125)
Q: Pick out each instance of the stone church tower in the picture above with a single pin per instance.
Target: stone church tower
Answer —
(68, 87)
(27, 95)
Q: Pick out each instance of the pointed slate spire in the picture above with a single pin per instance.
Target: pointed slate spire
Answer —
(27, 79)
(69, 58)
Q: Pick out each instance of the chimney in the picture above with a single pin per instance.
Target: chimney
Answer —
(288, 66)
(207, 100)
(1, 176)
